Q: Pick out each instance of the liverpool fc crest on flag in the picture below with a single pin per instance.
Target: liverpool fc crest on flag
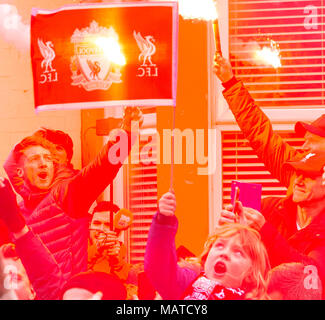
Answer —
(91, 67)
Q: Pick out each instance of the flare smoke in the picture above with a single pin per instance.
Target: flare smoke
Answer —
(12, 29)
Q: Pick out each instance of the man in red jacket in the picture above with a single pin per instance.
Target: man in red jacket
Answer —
(257, 128)
(293, 228)
(55, 204)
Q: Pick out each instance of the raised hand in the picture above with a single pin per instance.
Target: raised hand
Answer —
(222, 68)
(244, 215)
(131, 114)
(254, 218)
(229, 215)
(167, 204)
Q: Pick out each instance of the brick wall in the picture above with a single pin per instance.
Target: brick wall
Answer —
(17, 116)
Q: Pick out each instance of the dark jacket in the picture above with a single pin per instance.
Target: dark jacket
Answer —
(272, 150)
(285, 243)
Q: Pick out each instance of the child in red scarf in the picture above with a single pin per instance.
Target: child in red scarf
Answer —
(233, 265)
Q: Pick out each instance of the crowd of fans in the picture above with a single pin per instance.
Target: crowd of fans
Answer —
(53, 248)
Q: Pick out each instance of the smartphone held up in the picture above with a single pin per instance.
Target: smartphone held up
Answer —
(249, 194)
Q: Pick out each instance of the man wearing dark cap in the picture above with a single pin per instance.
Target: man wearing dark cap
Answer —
(308, 196)
(257, 128)
(293, 228)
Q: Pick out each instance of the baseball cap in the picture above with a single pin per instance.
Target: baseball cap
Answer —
(312, 163)
(317, 127)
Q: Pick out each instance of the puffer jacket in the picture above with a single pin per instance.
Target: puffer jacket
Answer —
(285, 243)
(65, 237)
(272, 150)
(59, 216)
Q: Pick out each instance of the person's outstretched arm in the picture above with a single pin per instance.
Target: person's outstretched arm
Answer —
(79, 192)
(255, 125)
(42, 270)
(160, 264)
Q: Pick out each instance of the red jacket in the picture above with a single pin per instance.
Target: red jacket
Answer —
(272, 150)
(59, 216)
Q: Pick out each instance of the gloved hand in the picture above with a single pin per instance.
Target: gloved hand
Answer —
(9, 210)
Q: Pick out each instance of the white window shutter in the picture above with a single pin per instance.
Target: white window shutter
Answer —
(299, 30)
(239, 162)
(142, 193)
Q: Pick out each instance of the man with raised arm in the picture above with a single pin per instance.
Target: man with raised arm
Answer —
(56, 206)
(257, 128)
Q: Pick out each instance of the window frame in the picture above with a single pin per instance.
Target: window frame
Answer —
(222, 118)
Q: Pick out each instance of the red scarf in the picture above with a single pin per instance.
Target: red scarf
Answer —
(204, 289)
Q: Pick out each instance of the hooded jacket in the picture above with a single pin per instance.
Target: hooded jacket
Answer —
(59, 216)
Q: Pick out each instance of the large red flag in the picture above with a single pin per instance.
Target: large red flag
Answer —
(99, 55)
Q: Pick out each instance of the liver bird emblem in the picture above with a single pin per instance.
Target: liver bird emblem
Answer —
(146, 47)
(95, 69)
(47, 53)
